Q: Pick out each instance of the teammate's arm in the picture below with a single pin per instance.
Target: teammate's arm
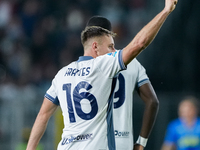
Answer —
(147, 33)
(39, 127)
(148, 95)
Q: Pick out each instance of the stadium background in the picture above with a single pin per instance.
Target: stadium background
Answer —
(38, 37)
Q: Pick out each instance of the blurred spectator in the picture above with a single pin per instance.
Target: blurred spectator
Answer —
(2, 73)
(9, 111)
(75, 19)
(14, 29)
(19, 60)
(5, 12)
(30, 16)
(184, 132)
(66, 56)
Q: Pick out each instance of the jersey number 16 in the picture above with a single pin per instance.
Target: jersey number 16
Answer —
(77, 97)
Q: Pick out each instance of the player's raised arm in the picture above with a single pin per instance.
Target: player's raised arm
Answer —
(147, 33)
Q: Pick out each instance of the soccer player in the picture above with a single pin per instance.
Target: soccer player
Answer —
(84, 89)
(183, 133)
(134, 78)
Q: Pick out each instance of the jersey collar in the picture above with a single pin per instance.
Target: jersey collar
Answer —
(82, 58)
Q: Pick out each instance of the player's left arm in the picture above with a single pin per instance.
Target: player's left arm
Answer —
(149, 97)
(46, 111)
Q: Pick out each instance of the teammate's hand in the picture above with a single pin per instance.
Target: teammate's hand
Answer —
(170, 5)
(138, 147)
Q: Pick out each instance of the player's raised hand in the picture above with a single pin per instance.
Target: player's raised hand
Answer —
(170, 5)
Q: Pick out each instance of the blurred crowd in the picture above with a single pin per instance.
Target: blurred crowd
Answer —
(37, 38)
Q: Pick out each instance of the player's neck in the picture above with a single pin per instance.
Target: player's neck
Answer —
(90, 53)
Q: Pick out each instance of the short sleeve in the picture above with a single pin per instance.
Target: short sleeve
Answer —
(51, 93)
(142, 76)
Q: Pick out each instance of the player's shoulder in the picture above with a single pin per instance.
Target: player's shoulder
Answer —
(109, 55)
(134, 64)
(113, 54)
(106, 57)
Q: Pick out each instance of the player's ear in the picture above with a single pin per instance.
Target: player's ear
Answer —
(95, 47)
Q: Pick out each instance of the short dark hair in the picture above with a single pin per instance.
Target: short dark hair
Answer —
(94, 31)
(99, 21)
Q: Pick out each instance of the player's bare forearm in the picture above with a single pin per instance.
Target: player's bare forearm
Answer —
(150, 114)
(149, 97)
(39, 127)
(147, 33)
(37, 132)
(138, 147)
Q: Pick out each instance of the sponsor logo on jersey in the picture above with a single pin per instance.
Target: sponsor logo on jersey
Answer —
(121, 133)
(78, 72)
(83, 137)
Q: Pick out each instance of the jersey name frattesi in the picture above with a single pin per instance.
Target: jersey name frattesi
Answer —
(78, 72)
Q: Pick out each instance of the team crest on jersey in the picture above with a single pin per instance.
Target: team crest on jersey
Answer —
(112, 54)
(83, 137)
